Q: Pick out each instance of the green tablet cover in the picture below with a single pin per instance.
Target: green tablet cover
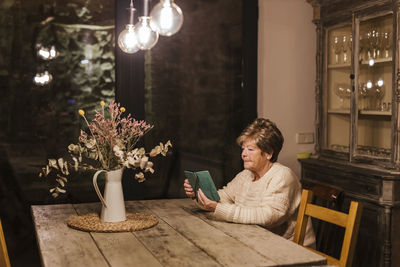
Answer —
(203, 180)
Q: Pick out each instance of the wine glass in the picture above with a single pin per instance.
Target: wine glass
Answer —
(377, 45)
(373, 37)
(337, 47)
(363, 46)
(345, 46)
(372, 43)
(379, 92)
(386, 43)
(343, 92)
(363, 92)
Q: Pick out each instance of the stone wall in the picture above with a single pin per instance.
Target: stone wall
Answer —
(39, 121)
(83, 73)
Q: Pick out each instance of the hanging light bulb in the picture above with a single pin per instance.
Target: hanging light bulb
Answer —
(53, 52)
(43, 78)
(166, 17)
(146, 36)
(127, 39)
(46, 53)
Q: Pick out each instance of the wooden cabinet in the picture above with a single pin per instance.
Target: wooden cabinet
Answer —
(357, 105)
(357, 118)
(378, 241)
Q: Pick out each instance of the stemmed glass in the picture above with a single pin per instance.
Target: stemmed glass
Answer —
(363, 92)
(377, 47)
(373, 43)
(345, 46)
(379, 92)
(342, 91)
(387, 43)
(337, 47)
(350, 44)
(363, 46)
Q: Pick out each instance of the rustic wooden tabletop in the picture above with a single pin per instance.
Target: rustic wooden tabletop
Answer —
(184, 236)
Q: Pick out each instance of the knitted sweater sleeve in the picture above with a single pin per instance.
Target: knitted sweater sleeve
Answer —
(278, 202)
(228, 192)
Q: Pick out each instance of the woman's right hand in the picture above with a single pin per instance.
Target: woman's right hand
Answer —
(188, 189)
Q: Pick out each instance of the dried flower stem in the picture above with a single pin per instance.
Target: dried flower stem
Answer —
(95, 142)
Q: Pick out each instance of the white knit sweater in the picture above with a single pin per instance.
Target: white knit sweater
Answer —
(271, 201)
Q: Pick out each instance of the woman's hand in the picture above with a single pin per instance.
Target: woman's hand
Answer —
(205, 202)
(188, 189)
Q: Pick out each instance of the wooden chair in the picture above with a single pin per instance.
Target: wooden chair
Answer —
(4, 260)
(350, 221)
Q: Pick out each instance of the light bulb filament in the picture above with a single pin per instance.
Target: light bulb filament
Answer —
(166, 17)
(144, 34)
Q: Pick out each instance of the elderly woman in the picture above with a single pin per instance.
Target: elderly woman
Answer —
(265, 192)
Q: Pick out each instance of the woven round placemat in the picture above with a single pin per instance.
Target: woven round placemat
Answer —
(92, 223)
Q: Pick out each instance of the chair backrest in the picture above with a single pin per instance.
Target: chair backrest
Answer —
(350, 221)
(4, 260)
(329, 237)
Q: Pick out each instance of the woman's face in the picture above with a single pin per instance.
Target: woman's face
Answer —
(253, 158)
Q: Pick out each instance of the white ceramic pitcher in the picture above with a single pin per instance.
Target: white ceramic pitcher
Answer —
(113, 205)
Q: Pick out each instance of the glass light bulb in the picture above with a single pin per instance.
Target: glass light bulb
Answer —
(166, 18)
(127, 40)
(369, 84)
(146, 36)
(37, 79)
(380, 82)
(44, 53)
(43, 78)
(47, 77)
(53, 52)
(371, 62)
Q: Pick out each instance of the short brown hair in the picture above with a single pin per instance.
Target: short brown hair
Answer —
(266, 136)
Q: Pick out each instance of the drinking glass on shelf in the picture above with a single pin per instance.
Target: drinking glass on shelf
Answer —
(389, 106)
(373, 43)
(379, 92)
(364, 92)
(343, 92)
(350, 43)
(386, 43)
(337, 47)
(345, 46)
(368, 43)
(363, 46)
(377, 45)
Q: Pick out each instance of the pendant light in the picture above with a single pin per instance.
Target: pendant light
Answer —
(127, 39)
(146, 36)
(166, 17)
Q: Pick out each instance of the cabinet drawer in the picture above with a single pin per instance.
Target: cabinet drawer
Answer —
(351, 182)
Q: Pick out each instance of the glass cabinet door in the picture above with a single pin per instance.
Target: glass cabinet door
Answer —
(374, 81)
(336, 106)
(360, 121)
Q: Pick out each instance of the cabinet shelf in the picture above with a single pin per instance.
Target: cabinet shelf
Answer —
(340, 66)
(363, 62)
(378, 61)
(339, 111)
(361, 112)
(375, 112)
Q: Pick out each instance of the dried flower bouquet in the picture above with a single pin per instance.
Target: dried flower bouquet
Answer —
(109, 145)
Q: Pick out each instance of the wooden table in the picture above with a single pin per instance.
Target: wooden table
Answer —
(184, 236)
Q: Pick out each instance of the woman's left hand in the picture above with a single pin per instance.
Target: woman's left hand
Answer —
(205, 202)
